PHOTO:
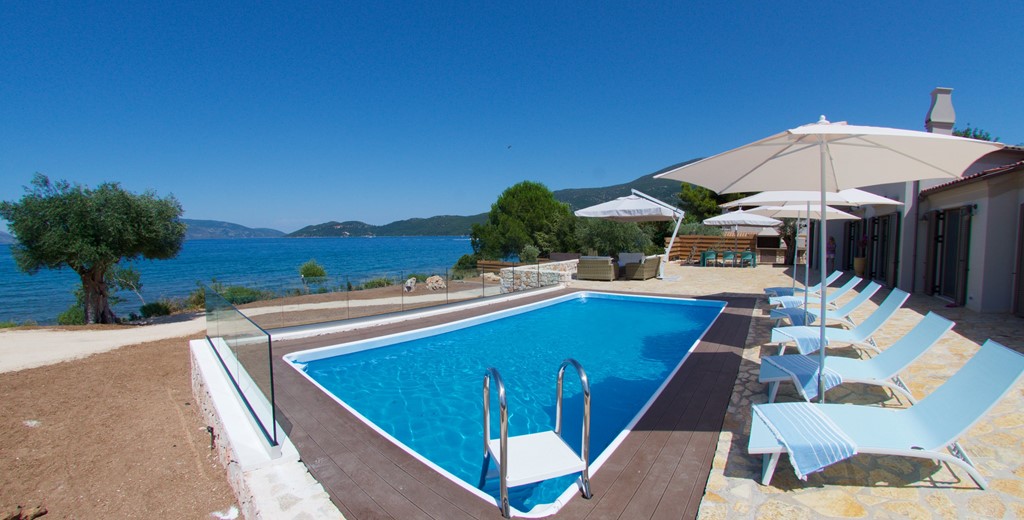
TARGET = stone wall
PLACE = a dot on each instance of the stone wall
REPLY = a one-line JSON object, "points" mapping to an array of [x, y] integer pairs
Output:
{"points": [[526, 277]]}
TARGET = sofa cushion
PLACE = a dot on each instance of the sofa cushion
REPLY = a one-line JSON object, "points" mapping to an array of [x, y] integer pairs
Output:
{"points": [[630, 258]]}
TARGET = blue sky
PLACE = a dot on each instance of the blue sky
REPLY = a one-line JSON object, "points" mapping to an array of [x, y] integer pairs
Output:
{"points": [[281, 115]]}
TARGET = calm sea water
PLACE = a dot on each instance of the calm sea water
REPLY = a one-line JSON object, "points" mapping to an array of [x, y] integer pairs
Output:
{"points": [[271, 263]]}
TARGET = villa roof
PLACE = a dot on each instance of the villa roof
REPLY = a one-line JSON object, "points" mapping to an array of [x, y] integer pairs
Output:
{"points": [[976, 177]]}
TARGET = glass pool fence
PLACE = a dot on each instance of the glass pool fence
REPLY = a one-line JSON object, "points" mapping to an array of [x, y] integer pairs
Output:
{"points": [[305, 301], [244, 349]]}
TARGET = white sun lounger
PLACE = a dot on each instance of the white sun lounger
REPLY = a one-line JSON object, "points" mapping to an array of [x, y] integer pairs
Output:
{"points": [[796, 316], [814, 289], [923, 430], [882, 370], [859, 335], [798, 300]]}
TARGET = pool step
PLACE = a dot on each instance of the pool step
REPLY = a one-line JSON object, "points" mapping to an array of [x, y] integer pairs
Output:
{"points": [[525, 459]]}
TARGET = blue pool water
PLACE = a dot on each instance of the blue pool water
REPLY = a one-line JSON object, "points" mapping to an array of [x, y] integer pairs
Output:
{"points": [[426, 392]]}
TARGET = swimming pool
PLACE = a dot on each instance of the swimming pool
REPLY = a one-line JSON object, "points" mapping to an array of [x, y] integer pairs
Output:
{"points": [[422, 389]]}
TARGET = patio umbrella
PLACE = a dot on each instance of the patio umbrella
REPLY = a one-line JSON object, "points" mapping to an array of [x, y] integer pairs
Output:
{"points": [[637, 207], [805, 211], [741, 218], [847, 197], [829, 157]]}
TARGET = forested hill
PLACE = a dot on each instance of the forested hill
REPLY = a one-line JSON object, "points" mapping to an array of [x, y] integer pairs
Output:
{"points": [[6, 238], [208, 229], [434, 226], [665, 190]]}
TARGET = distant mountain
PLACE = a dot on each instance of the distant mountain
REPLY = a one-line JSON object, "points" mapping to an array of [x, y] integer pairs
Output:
{"points": [[661, 189], [209, 229], [438, 226], [6, 238]]}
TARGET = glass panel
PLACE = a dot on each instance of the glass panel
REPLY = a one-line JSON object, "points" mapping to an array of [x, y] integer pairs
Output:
{"points": [[244, 349]]}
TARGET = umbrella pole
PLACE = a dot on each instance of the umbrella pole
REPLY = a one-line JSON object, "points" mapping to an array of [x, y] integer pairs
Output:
{"points": [[821, 265], [807, 265], [671, 241]]}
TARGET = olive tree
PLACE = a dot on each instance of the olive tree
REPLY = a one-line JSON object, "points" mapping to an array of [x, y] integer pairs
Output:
{"points": [[58, 225]]}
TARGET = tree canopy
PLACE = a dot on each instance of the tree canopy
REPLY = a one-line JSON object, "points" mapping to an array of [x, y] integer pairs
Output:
{"points": [[607, 237], [524, 214], [974, 133], [700, 203], [57, 225]]}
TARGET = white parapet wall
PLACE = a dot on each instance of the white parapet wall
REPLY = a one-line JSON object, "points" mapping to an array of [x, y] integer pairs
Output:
{"points": [[542, 275], [269, 483]]}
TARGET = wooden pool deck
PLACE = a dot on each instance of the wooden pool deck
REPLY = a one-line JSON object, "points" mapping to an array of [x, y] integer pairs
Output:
{"points": [[660, 470]]}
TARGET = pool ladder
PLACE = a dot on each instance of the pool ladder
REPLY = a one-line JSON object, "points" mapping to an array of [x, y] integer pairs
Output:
{"points": [[538, 456]]}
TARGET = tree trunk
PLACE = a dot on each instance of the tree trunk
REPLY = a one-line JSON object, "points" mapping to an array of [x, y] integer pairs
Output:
{"points": [[97, 302]]}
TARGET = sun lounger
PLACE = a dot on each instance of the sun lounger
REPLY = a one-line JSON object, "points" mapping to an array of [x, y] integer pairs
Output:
{"points": [[801, 316], [923, 430], [798, 300], [881, 370], [806, 337], [814, 289]]}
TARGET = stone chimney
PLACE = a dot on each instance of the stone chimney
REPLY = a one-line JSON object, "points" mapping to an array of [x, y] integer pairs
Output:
{"points": [[941, 116]]}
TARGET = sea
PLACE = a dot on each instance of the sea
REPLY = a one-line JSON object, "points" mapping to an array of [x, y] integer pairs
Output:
{"points": [[264, 263]]}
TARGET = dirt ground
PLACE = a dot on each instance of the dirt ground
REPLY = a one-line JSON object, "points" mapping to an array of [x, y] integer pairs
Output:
{"points": [[115, 435]]}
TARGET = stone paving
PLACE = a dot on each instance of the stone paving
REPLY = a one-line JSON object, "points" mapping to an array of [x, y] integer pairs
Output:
{"points": [[866, 486]]}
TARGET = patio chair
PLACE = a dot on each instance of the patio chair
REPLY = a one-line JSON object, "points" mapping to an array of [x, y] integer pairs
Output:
{"points": [[807, 338], [798, 300], [729, 256], [881, 370], [708, 257], [597, 268], [748, 258], [922, 431], [801, 316], [814, 289], [645, 269]]}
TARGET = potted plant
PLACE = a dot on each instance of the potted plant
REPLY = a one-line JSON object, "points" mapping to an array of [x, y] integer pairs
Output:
{"points": [[859, 260]]}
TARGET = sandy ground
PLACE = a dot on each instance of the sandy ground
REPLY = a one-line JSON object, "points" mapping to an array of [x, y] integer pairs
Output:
{"points": [[114, 435]]}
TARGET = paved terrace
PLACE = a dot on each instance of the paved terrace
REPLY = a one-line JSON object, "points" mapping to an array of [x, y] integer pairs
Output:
{"points": [[866, 486], [685, 463]]}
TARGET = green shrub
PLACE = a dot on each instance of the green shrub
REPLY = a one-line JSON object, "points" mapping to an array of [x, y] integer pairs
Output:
{"points": [[238, 294], [197, 298], [529, 254], [377, 283], [154, 309], [312, 269], [8, 324], [75, 315], [466, 263]]}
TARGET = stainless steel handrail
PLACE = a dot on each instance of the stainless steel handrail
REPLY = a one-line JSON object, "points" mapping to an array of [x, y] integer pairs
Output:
{"points": [[503, 415], [585, 447], [492, 373]]}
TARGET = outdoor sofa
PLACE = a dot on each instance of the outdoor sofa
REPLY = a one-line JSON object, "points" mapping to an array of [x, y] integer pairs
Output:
{"points": [[645, 269], [597, 268]]}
